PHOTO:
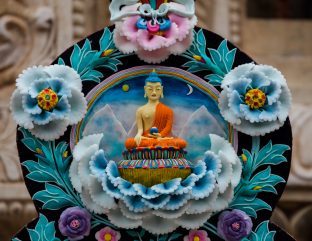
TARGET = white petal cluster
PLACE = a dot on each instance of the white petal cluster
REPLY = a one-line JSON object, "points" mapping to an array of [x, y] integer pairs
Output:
{"points": [[162, 208]]}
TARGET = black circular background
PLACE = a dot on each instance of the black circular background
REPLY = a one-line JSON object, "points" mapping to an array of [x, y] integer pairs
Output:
{"points": [[281, 136]]}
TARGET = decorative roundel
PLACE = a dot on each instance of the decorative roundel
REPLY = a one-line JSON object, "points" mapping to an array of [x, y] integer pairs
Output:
{"points": [[211, 165]]}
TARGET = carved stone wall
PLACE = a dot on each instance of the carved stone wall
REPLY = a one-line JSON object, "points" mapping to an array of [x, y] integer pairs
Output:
{"points": [[36, 31]]}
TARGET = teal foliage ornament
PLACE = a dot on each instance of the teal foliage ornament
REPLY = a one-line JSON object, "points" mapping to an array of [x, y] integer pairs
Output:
{"points": [[44, 231], [86, 61], [220, 62], [253, 182], [262, 233], [51, 169]]}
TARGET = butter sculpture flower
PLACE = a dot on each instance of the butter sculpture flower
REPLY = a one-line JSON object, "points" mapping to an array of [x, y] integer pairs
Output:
{"points": [[161, 208], [255, 99], [154, 32], [107, 234], [47, 100], [197, 235], [234, 225], [75, 223]]}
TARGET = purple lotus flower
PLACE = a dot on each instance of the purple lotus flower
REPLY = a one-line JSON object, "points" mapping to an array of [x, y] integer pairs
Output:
{"points": [[234, 225], [75, 223]]}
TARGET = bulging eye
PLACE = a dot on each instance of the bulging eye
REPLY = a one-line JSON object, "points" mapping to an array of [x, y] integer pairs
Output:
{"points": [[165, 24], [141, 23]]}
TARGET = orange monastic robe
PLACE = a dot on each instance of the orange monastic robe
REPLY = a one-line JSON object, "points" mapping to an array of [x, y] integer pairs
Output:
{"points": [[163, 121]]}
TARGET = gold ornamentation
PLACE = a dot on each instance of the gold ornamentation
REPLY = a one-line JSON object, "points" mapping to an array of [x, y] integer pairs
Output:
{"points": [[255, 98], [47, 99]]}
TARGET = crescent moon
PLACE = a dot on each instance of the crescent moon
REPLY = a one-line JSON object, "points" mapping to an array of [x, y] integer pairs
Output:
{"points": [[191, 90]]}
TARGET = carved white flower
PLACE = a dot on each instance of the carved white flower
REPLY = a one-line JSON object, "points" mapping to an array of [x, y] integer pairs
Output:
{"points": [[47, 100], [162, 208]]}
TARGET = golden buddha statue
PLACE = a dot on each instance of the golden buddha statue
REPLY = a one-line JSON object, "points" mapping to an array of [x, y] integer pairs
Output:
{"points": [[154, 120]]}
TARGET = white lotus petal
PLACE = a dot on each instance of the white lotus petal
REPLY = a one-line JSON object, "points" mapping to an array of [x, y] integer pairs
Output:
{"points": [[223, 199], [129, 214], [89, 203], [225, 176], [84, 166], [157, 203], [167, 214], [117, 218], [113, 173], [145, 192], [74, 178], [177, 201], [203, 205], [51, 131], [193, 221], [158, 225], [167, 187], [85, 143], [78, 107], [98, 195], [68, 74], [237, 173], [28, 76], [204, 186], [21, 117], [126, 188]]}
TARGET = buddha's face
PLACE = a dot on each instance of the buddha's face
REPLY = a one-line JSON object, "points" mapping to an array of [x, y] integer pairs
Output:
{"points": [[153, 91]]}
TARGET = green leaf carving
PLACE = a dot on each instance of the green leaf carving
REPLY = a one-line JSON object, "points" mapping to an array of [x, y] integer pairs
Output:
{"points": [[53, 198], [250, 205], [44, 231], [262, 233], [86, 60], [220, 62], [253, 182]]}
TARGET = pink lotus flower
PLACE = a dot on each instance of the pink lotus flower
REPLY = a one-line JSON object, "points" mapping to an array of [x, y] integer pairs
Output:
{"points": [[197, 235], [107, 234], [154, 47]]}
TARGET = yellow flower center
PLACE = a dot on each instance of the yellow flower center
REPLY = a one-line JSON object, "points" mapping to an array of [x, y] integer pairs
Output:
{"points": [[108, 237], [107, 52], [196, 238], [256, 188], [255, 98], [244, 157], [47, 99]]}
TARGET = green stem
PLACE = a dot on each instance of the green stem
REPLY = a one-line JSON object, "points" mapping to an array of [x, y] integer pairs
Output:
{"points": [[139, 236], [211, 228], [188, 57], [65, 185]]}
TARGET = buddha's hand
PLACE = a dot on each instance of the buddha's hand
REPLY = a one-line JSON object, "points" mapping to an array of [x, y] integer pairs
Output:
{"points": [[138, 139], [155, 135]]}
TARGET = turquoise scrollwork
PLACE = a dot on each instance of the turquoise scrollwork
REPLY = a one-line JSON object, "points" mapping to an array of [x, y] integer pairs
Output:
{"points": [[51, 169], [86, 60], [220, 62], [253, 182]]}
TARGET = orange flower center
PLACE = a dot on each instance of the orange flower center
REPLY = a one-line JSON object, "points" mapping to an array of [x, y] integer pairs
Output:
{"points": [[196, 238], [108, 237], [47, 99], [255, 98]]}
